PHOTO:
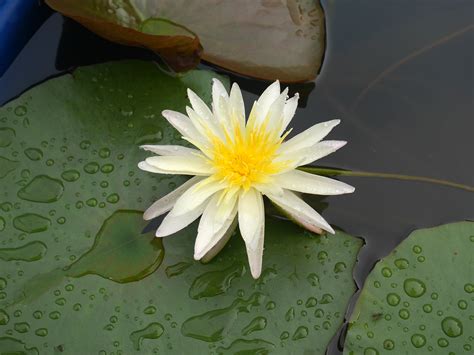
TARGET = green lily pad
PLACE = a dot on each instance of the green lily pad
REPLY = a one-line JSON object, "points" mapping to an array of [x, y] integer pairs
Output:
{"points": [[419, 299], [77, 275]]}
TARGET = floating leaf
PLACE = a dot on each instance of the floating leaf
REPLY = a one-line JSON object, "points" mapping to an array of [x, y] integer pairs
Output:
{"points": [[267, 39], [119, 22], [91, 266], [419, 299]]}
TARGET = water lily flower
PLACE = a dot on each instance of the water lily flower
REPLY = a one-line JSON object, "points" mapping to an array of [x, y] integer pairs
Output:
{"points": [[235, 163]]}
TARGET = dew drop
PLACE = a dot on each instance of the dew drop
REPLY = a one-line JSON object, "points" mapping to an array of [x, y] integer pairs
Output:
{"points": [[41, 332], [339, 267], [370, 351], [393, 299], [71, 175], [414, 287], [386, 272], [388, 344], [20, 110], [4, 318], [31, 223], [151, 331], [113, 198], [313, 279], [418, 340], [300, 333], [404, 313], [91, 168], [452, 327], [401, 263], [107, 168], [150, 310], [6, 136]]}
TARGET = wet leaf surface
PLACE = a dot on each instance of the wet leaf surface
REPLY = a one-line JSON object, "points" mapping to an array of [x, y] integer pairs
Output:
{"points": [[72, 251], [419, 299]]}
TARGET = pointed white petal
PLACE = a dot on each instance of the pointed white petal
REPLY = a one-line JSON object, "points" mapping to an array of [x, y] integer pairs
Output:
{"points": [[169, 149], [206, 128], [251, 217], [275, 112], [215, 221], [218, 90], [301, 212], [173, 223], [289, 111], [196, 195], [255, 256], [309, 137], [143, 165], [237, 106], [311, 154], [220, 243], [301, 181], [183, 125], [269, 188], [200, 106], [182, 165], [167, 202], [266, 100]]}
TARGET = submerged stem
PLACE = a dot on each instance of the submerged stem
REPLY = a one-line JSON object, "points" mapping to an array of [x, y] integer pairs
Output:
{"points": [[330, 171]]}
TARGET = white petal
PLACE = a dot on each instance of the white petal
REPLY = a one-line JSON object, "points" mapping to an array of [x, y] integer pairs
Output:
{"points": [[182, 165], [251, 217], [301, 181], [275, 112], [183, 125], [317, 151], [205, 127], [218, 90], [269, 188], [167, 202], [266, 100], [215, 221], [200, 106], [221, 242], [289, 111], [173, 223], [169, 149], [255, 256], [301, 212], [143, 165], [237, 106], [196, 195], [309, 137]]}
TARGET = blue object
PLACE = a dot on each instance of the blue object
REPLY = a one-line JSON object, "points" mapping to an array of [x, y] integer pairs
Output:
{"points": [[19, 20]]}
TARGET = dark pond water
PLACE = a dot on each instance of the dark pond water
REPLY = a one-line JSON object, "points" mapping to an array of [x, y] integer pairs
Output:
{"points": [[398, 74]]}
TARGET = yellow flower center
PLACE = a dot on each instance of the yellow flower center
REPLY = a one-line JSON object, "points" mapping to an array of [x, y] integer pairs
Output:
{"points": [[247, 157]]}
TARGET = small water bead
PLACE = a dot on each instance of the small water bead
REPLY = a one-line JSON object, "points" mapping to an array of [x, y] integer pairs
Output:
{"points": [[404, 313], [414, 287], [34, 154], [126, 183], [284, 335], [37, 314], [313, 279], [92, 202], [467, 347], [401, 263], [60, 301], [393, 299], [20, 110], [69, 287], [70, 175], [113, 198], [417, 249], [107, 168], [3, 283], [22, 327], [77, 307], [339, 267], [462, 304], [17, 313], [104, 184], [418, 340], [388, 344], [79, 205], [113, 319], [270, 305], [91, 168], [434, 296], [85, 144], [326, 299], [386, 272], [311, 302], [322, 256], [469, 288], [299, 302], [55, 315], [4, 318], [2, 224], [452, 327], [420, 259], [104, 153], [439, 313], [50, 162], [370, 351], [300, 333], [41, 332], [150, 310], [319, 313]]}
